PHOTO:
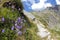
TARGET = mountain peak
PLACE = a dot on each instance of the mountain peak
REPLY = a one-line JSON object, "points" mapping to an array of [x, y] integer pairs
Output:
{"points": [[56, 8]]}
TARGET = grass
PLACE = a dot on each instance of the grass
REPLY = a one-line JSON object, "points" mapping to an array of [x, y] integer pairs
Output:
{"points": [[55, 34], [42, 19], [8, 14]]}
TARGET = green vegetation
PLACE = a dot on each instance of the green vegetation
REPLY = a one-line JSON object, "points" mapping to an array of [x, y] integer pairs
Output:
{"points": [[7, 13], [8, 19], [54, 33]]}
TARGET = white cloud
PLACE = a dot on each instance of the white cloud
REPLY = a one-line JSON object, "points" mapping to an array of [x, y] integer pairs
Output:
{"points": [[48, 5], [58, 2], [38, 5], [41, 5], [23, 0]]}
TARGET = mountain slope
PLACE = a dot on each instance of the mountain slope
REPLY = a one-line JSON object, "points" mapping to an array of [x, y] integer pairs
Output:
{"points": [[50, 16]]}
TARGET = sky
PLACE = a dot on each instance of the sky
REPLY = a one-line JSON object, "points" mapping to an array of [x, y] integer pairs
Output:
{"points": [[58, 2], [53, 2], [30, 5]]}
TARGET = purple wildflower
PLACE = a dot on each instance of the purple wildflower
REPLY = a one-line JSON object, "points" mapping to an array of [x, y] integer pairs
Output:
{"points": [[13, 6], [19, 33], [19, 20], [3, 31], [12, 28], [15, 24], [19, 9], [10, 3], [18, 27], [3, 19]]}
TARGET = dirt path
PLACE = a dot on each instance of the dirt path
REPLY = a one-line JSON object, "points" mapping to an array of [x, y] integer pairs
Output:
{"points": [[42, 32]]}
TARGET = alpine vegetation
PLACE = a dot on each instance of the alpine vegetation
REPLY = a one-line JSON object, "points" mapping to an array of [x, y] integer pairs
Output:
{"points": [[14, 25]]}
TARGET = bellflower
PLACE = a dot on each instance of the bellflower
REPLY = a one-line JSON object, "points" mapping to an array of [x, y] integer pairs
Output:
{"points": [[3, 31], [12, 28], [13, 6], [18, 27], [19, 33], [19, 9], [19, 19], [3, 19], [15, 24]]}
